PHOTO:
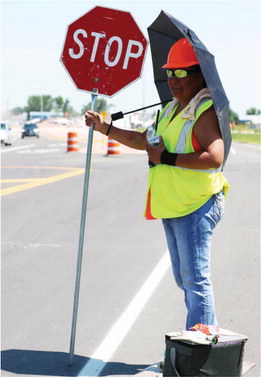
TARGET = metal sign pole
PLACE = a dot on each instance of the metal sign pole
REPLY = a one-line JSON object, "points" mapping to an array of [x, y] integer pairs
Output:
{"points": [[81, 237]]}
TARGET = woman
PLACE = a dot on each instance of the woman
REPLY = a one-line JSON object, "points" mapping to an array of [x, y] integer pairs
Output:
{"points": [[186, 187]]}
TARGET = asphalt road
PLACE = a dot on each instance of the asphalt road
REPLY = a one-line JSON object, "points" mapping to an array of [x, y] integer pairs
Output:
{"points": [[41, 208]]}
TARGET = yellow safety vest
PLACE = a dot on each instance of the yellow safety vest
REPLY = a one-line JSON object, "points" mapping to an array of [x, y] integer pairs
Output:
{"points": [[177, 191]]}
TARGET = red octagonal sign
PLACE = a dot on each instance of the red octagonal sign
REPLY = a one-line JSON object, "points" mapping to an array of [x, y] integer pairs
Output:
{"points": [[104, 51]]}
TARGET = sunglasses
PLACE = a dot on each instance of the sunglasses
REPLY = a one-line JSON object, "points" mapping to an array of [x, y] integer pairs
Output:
{"points": [[179, 73]]}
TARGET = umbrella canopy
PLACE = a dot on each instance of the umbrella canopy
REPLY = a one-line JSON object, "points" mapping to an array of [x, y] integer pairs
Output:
{"points": [[163, 33]]}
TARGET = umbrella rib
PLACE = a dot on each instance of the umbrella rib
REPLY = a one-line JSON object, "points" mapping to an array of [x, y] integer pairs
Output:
{"points": [[161, 33]]}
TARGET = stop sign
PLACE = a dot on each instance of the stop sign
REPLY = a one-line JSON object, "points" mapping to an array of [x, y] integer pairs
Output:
{"points": [[104, 51]]}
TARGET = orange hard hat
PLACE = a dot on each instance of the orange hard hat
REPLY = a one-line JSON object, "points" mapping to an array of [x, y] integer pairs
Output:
{"points": [[181, 54]]}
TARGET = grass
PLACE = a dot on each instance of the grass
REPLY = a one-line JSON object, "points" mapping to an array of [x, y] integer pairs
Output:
{"points": [[246, 137], [242, 133]]}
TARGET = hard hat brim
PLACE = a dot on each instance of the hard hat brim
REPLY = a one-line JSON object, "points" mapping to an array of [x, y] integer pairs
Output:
{"points": [[181, 65]]}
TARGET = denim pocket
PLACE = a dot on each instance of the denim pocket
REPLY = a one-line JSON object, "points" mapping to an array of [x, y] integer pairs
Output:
{"points": [[219, 205]]}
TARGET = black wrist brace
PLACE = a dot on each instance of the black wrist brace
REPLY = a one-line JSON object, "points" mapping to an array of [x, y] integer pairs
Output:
{"points": [[168, 158]]}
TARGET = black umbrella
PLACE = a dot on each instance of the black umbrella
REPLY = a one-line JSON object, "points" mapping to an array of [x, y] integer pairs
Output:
{"points": [[163, 33]]}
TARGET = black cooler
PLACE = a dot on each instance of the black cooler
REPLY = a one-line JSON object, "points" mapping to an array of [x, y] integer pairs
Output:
{"points": [[225, 358]]}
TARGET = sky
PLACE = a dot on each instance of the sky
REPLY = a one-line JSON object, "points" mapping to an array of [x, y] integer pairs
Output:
{"points": [[33, 35]]}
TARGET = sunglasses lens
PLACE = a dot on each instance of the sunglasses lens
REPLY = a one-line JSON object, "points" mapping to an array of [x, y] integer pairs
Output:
{"points": [[177, 73], [181, 73]]}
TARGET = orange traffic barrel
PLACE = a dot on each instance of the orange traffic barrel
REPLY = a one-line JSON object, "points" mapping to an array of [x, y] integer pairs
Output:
{"points": [[72, 142], [113, 147]]}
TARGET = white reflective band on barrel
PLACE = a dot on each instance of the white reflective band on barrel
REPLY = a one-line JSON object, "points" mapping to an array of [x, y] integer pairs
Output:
{"points": [[73, 139], [113, 148]]}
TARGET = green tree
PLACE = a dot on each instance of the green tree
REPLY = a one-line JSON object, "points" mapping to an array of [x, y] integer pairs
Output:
{"points": [[17, 110], [66, 106], [37, 103], [45, 103], [100, 106], [58, 103], [253, 111], [62, 105], [33, 104], [233, 117]]}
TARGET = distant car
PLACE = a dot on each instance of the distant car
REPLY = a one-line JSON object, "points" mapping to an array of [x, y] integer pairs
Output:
{"points": [[30, 130], [5, 134]]}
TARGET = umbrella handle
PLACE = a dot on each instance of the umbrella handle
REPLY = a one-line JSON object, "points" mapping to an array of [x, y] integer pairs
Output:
{"points": [[118, 115]]}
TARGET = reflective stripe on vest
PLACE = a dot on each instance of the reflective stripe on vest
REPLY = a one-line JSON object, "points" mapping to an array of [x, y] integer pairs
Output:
{"points": [[181, 144]]}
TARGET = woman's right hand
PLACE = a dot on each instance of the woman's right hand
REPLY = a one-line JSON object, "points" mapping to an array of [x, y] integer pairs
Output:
{"points": [[95, 120]]}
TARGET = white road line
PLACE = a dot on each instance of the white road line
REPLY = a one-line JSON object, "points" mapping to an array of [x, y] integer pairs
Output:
{"points": [[38, 151], [113, 339], [17, 148]]}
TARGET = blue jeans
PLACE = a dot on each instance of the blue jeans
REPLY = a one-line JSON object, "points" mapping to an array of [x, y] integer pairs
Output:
{"points": [[189, 243]]}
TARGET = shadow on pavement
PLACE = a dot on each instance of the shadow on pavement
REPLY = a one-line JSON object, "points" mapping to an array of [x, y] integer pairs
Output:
{"points": [[51, 363]]}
